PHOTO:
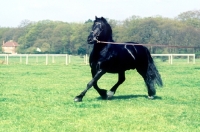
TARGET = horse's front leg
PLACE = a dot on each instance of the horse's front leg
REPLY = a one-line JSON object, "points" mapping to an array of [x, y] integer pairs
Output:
{"points": [[121, 79], [89, 85], [102, 92]]}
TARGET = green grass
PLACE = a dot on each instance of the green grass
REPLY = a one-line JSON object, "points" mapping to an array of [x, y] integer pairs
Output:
{"points": [[40, 98]]}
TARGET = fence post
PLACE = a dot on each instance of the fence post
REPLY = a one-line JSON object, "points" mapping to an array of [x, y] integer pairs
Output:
{"points": [[171, 58], [20, 58], [6, 59], [26, 59], [193, 58], [66, 59], [46, 59], [86, 59]]}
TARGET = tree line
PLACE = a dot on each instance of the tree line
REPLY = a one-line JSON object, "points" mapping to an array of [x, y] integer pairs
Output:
{"points": [[63, 37]]}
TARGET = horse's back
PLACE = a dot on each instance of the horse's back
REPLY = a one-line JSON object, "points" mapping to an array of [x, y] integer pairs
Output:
{"points": [[120, 58]]}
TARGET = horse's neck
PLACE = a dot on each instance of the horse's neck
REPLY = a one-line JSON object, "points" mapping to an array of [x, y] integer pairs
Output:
{"points": [[100, 46]]}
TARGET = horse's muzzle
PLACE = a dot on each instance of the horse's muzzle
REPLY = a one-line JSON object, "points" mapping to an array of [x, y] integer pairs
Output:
{"points": [[91, 40]]}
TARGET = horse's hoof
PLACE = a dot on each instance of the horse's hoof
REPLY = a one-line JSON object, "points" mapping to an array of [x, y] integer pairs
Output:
{"points": [[110, 95], [77, 99], [103, 94], [151, 97]]}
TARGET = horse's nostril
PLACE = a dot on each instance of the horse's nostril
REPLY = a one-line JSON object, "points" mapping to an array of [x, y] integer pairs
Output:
{"points": [[89, 40]]}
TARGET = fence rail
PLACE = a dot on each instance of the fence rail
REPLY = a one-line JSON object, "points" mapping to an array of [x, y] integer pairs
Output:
{"points": [[67, 59], [171, 56], [45, 57]]}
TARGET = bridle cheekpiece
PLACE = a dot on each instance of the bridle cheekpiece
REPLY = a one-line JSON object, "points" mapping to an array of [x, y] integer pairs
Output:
{"points": [[97, 31]]}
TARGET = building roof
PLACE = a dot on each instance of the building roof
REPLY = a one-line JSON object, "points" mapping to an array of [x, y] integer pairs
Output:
{"points": [[10, 43]]}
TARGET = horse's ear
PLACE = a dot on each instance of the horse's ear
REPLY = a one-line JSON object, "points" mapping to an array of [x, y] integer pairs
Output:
{"points": [[102, 18], [96, 17]]}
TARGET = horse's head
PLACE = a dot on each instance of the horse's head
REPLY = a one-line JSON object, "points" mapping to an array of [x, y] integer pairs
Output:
{"points": [[101, 30]]}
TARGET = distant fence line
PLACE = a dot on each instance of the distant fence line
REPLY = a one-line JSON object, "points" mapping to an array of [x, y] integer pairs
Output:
{"points": [[46, 56], [84, 57], [170, 57]]}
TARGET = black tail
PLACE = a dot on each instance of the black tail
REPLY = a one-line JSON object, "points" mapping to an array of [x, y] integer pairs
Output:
{"points": [[152, 72]]}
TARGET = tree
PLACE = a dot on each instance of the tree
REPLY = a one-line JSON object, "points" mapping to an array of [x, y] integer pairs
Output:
{"points": [[71, 38], [191, 18], [24, 23]]}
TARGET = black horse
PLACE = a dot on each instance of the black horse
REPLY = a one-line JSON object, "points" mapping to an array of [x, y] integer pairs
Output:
{"points": [[112, 58]]}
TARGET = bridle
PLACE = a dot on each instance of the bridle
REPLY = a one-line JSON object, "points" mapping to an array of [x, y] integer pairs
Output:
{"points": [[97, 30]]}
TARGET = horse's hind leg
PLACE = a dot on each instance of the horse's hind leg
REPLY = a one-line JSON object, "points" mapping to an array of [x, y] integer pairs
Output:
{"points": [[121, 79], [148, 81]]}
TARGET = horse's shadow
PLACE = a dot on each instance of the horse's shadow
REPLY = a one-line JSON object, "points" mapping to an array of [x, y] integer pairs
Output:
{"points": [[124, 97]]}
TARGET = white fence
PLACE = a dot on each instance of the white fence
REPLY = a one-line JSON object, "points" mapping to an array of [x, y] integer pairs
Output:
{"points": [[171, 56], [66, 59], [48, 58]]}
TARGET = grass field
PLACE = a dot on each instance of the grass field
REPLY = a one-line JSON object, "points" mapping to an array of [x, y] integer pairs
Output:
{"points": [[40, 98]]}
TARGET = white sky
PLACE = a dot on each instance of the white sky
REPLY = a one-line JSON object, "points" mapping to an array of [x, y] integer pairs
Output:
{"points": [[12, 12]]}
